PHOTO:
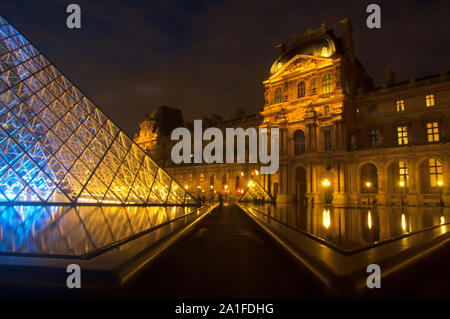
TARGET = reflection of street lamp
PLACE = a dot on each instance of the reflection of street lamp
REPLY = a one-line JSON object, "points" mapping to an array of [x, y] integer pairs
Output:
{"points": [[440, 184], [402, 185], [326, 183], [326, 218], [368, 185]]}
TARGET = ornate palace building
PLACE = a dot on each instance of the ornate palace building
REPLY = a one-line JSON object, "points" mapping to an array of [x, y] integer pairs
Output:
{"points": [[342, 140]]}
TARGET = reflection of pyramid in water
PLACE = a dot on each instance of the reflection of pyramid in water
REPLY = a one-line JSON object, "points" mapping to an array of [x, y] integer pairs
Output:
{"points": [[56, 146], [255, 192]]}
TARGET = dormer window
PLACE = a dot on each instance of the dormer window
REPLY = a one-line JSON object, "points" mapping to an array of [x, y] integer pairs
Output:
{"points": [[429, 100], [400, 105]]}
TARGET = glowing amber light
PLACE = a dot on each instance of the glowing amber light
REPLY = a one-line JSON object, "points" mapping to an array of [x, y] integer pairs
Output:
{"points": [[440, 183], [403, 222], [256, 172], [369, 220], [402, 184], [442, 220], [326, 183], [326, 218], [368, 184]]}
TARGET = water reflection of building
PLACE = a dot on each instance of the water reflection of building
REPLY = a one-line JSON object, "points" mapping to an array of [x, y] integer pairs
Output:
{"points": [[383, 143], [353, 229]]}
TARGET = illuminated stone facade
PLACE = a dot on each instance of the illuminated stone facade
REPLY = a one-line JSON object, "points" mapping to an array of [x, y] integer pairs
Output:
{"points": [[343, 140]]}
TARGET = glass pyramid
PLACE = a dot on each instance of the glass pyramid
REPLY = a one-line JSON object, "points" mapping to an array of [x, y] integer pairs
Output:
{"points": [[255, 192], [57, 147]]}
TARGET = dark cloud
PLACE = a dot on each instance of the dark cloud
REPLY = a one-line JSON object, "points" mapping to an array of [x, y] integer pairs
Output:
{"points": [[210, 57]]}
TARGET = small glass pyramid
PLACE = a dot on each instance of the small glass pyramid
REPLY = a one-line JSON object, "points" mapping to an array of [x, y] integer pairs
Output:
{"points": [[57, 147], [255, 192]]}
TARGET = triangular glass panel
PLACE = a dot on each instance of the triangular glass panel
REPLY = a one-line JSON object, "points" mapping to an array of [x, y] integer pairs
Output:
{"points": [[255, 192]]}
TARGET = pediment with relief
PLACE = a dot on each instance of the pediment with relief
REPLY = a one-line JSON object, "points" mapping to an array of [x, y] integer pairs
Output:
{"points": [[300, 63]]}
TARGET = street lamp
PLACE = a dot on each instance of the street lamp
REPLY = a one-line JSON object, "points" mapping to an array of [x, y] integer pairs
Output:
{"points": [[368, 185], [440, 184], [326, 183], [402, 185]]}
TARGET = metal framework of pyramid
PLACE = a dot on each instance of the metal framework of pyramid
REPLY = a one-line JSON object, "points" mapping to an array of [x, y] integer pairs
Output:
{"points": [[255, 191], [57, 147]]}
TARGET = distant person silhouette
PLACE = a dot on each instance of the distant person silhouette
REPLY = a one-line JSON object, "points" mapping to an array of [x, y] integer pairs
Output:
{"points": [[220, 201]]}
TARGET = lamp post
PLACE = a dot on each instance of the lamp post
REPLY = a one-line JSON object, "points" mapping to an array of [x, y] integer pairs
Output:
{"points": [[326, 183], [368, 185], [402, 185], [440, 184]]}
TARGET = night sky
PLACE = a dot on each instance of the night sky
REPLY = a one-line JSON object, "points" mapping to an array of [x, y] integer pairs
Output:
{"points": [[210, 57]]}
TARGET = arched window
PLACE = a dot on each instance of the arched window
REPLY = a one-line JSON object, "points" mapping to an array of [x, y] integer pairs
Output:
{"points": [[224, 180], [299, 142], [301, 89], [326, 83], [435, 171], [278, 95]]}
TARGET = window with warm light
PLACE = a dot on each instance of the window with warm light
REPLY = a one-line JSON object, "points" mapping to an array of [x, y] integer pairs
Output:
{"points": [[326, 84], [433, 132], [429, 100], [278, 95], [402, 135], [201, 179], [301, 89], [400, 105], [436, 172], [403, 172]]}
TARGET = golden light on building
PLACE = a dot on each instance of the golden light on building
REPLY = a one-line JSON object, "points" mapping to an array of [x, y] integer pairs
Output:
{"points": [[402, 184], [256, 172], [368, 184], [442, 220], [369, 219], [242, 173], [440, 183], [326, 183]]}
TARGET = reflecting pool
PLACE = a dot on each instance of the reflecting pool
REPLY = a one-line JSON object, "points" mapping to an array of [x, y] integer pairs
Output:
{"points": [[354, 229], [77, 231]]}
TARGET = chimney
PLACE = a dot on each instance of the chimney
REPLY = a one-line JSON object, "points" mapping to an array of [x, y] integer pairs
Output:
{"points": [[281, 48], [347, 39], [389, 76]]}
